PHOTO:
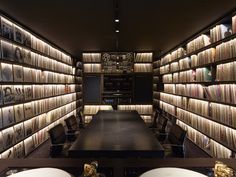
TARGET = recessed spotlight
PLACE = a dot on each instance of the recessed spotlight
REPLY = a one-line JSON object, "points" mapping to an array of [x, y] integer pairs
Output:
{"points": [[117, 31], [117, 20]]}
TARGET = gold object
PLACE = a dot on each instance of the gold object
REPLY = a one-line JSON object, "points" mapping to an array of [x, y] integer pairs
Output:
{"points": [[90, 170], [222, 170]]}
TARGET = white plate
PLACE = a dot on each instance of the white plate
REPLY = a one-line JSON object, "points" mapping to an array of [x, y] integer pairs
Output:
{"points": [[171, 172], [42, 172]]}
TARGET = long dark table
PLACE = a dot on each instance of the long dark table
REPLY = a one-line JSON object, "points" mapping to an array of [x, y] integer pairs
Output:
{"points": [[116, 134]]}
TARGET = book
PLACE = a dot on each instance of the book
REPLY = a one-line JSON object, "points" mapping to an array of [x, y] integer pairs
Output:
{"points": [[29, 145], [28, 127], [8, 137], [1, 95], [19, 132], [1, 121], [19, 112], [26, 55], [18, 34], [27, 74], [8, 116], [18, 93], [27, 38], [7, 28], [7, 51], [28, 110], [18, 73], [8, 154], [19, 150], [28, 93], [7, 73], [1, 142], [8, 94], [18, 54]]}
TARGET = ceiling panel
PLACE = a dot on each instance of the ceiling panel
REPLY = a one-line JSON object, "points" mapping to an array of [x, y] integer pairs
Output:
{"points": [[88, 25]]}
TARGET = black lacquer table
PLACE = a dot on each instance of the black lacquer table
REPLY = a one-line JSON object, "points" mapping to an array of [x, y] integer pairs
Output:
{"points": [[116, 134]]}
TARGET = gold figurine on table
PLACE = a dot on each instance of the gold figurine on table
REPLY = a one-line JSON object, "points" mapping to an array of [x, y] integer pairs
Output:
{"points": [[222, 170]]}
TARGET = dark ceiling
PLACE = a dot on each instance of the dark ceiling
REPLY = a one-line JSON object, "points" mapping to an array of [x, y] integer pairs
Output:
{"points": [[88, 25]]}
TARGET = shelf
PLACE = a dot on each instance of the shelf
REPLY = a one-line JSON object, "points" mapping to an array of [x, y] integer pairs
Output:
{"points": [[205, 65], [204, 83], [202, 49], [33, 50], [33, 66], [36, 132], [222, 143], [206, 117], [203, 99], [15, 123], [36, 99], [37, 83]]}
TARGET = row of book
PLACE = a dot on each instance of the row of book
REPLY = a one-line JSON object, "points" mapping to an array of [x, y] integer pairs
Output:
{"points": [[147, 119], [25, 147], [210, 146], [20, 55], [221, 113], [92, 68], [204, 57], [219, 32], [210, 128], [142, 67], [24, 129], [141, 109], [17, 113], [198, 75], [226, 72], [20, 93], [180, 52], [198, 43], [224, 113], [174, 100], [14, 32], [222, 92], [167, 108], [143, 57], [93, 109], [17, 73], [226, 50], [91, 57]]}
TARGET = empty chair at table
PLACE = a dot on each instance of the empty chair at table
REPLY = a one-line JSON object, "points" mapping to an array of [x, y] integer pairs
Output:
{"points": [[174, 142]]}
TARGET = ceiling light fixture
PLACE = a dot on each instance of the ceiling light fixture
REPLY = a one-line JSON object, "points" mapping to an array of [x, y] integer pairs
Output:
{"points": [[117, 31], [117, 20]]}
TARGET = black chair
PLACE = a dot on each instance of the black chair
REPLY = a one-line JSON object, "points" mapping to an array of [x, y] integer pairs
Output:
{"points": [[72, 124], [174, 143], [60, 142], [160, 130]]}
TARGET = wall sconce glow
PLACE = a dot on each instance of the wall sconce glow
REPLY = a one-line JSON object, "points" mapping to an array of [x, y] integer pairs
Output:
{"points": [[117, 31], [117, 20]]}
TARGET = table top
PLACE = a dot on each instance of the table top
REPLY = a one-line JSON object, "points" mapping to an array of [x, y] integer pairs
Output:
{"points": [[172, 172], [45, 172], [116, 134]]}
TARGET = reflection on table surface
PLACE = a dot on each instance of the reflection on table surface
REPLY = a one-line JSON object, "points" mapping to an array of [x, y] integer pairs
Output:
{"points": [[128, 172], [172, 172]]}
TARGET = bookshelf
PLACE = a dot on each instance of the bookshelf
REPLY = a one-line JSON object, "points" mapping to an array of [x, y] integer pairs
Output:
{"points": [[111, 77], [38, 89], [194, 83]]}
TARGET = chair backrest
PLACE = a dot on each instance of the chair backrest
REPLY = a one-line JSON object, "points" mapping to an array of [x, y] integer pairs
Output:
{"points": [[161, 124], [71, 123], [57, 134], [176, 135]]}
